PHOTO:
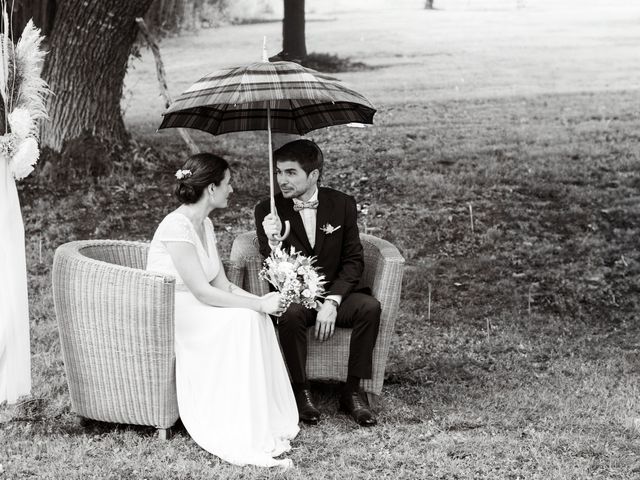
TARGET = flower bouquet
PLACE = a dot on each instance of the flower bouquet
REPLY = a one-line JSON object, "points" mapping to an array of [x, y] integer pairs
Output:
{"points": [[22, 97], [294, 276]]}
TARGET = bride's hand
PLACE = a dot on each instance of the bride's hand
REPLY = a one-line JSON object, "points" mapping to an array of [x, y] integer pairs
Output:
{"points": [[272, 303]]}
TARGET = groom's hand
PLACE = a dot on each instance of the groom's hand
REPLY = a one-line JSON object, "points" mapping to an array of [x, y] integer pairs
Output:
{"points": [[326, 321], [271, 226]]}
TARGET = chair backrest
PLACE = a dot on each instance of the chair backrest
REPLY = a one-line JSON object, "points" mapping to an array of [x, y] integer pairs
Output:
{"points": [[126, 254]]}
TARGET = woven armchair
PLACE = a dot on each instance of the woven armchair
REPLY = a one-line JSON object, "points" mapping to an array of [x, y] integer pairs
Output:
{"points": [[116, 325], [327, 360]]}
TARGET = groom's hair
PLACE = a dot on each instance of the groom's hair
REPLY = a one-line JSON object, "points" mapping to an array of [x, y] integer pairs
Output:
{"points": [[306, 152], [205, 169]]}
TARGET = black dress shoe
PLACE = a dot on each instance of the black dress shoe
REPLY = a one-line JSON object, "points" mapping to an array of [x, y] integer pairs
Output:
{"points": [[307, 411], [353, 404]]}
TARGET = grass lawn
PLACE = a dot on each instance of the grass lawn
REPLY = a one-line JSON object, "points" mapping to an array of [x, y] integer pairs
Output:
{"points": [[505, 166]]}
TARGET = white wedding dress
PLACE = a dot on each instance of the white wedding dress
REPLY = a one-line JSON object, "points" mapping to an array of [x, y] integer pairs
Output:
{"points": [[15, 355], [234, 394]]}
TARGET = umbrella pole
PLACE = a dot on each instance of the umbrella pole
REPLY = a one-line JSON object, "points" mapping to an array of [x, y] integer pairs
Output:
{"points": [[287, 227]]}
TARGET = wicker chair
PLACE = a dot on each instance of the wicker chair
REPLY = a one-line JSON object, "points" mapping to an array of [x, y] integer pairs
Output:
{"points": [[116, 324], [327, 360]]}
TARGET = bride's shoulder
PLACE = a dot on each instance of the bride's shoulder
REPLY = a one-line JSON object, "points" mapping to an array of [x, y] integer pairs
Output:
{"points": [[173, 225], [175, 218]]}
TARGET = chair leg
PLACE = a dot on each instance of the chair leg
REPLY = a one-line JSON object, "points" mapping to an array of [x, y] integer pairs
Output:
{"points": [[163, 433], [375, 401]]}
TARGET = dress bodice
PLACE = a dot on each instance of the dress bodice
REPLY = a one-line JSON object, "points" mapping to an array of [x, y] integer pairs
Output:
{"points": [[176, 227]]}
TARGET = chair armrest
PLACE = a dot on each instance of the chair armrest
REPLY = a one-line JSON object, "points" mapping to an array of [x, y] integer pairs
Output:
{"points": [[384, 268], [246, 257], [234, 272]]}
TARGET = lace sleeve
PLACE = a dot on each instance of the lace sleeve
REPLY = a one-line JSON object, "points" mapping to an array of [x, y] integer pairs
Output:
{"points": [[175, 228]]}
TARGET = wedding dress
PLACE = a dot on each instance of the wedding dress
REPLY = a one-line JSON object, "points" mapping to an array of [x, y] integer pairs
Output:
{"points": [[15, 355], [234, 394]]}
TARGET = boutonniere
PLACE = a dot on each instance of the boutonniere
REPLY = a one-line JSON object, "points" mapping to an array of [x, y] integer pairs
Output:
{"points": [[328, 229]]}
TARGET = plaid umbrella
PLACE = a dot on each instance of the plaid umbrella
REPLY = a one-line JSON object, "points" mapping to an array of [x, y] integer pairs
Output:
{"points": [[282, 97], [296, 100]]}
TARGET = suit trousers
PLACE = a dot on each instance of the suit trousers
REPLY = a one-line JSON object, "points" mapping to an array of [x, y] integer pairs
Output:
{"points": [[358, 311]]}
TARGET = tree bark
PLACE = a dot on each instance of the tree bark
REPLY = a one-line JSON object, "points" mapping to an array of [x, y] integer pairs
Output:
{"points": [[294, 46], [85, 68]]}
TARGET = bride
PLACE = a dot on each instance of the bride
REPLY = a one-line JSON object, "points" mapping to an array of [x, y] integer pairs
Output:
{"points": [[234, 394]]}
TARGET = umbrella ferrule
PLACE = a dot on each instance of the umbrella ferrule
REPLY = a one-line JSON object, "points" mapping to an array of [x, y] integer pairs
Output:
{"points": [[265, 57]]}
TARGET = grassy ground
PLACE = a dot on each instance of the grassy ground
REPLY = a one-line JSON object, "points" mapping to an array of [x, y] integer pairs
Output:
{"points": [[528, 364]]}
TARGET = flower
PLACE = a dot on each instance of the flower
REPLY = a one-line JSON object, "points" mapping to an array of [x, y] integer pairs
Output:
{"points": [[19, 146], [294, 276], [328, 229], [181, 174], [21, 122], [24, 158]]}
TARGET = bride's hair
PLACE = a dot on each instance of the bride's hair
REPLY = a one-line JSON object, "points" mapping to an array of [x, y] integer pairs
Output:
{"points": [[205, 168]]}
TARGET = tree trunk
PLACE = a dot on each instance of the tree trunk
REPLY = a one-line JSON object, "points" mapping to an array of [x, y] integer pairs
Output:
{"points": [[293, 38], [85, 68], [428, 4], [41, 11]]}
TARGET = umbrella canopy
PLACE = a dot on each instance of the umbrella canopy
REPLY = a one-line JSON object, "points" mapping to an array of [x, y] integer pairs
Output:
{"points": [[282, 97], [294, 99]]}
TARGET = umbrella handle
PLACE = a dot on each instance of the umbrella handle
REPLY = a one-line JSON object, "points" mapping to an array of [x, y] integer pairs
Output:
{"points": [[287, 230]]}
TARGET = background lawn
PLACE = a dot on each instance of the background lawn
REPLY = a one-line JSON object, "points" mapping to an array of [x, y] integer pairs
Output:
{"points": [[526, 114]]}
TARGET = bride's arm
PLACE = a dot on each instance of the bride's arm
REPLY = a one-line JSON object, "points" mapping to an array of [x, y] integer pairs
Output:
{"points": [[187, 263], [222, 282]]}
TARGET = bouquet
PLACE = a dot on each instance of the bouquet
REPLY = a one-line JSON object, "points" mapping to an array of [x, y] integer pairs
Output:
{"points": [[22, 97], [295, 277]]}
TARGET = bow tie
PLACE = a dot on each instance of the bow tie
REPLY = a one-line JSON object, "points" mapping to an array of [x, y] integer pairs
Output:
{"points": [[300, 205]]}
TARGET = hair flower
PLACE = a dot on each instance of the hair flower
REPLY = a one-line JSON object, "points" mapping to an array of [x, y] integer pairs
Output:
{"points": [[181, 174]]}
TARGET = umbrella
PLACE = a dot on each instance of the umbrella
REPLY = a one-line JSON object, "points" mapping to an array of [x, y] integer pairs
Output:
{"points": [[281, 97]]}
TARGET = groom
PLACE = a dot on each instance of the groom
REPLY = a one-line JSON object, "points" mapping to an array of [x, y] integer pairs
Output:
{"points": [[323, 224]]}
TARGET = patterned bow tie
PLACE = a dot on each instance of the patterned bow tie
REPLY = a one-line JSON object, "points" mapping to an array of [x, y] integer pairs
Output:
{"points": [[300, 205]]}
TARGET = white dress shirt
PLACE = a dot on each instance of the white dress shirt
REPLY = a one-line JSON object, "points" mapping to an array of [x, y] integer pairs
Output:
{"points": [[309, 216]]}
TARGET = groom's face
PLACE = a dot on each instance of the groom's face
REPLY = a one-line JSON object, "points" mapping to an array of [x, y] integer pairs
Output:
{"points": [[293, 180]]}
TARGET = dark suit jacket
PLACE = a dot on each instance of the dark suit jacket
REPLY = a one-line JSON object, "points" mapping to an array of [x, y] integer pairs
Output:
{"points": [[339, 254]]}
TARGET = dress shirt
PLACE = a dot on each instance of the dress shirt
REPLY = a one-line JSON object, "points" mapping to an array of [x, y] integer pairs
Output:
{"points": [[309, 216]]}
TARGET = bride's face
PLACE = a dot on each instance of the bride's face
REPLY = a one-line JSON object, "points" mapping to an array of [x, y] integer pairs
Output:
{"points": [[220, 196]]}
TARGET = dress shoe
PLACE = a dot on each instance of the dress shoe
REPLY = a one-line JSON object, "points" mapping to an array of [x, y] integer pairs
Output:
{"points": [[306, 409], [353, 404]]}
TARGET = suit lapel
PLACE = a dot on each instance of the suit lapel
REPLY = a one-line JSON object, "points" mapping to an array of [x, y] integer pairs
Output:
{"points": [[286, 211], [325, 207]]}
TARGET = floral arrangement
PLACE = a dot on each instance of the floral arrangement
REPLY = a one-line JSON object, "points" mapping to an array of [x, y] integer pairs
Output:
{"points": [[22, 93], [180, 174], [295, 277]]}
